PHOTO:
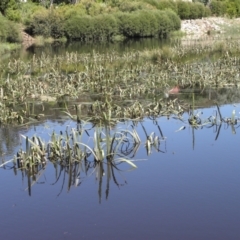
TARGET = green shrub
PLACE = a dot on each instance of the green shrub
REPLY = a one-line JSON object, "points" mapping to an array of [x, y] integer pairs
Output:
{"points": [[162, 4], [77, 27], [27, 11], [202, 10], [167, 4], [8, 4], [129, 24], [23, 13], [207, 12], [87, 28], [9, 31], [148, 23], [139, 23], [130, 6], [183, 9], [197, 10], [204, 2], [47, 23], [175, 20], [13, 15], [233, 8], [71, 10], [165, 25], [194, 11], [218, 8], [154, 3], [95, 9], [105, 26]]}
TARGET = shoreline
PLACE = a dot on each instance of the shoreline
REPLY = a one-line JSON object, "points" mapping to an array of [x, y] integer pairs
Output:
{"points": [[199, 28], [194, 28]]}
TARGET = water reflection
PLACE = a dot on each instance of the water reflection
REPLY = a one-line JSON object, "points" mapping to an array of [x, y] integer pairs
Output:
{"points": [[9, 139], [72, 175], [105, 152], [72, 156], [101, 47]]}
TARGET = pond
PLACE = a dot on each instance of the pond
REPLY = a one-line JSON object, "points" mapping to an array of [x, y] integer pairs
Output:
{"points": [[115, 162], [188, 188], [83, 47]]}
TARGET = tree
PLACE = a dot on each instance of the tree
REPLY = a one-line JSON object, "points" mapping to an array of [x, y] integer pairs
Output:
{"points": [[5, 4]]}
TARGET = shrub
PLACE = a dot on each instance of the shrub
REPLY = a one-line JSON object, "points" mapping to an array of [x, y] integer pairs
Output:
{"points": [[233, 8], [47, 23], [77, 27], [207, 12], [218, 8], [162, 4], [175, 20], [8, 4], [230, 8], [27, 11], [148, 23], [202, 10], [129, 24], [183, 9], [167, 4], [204, 2], [94, 9], [87, 28], [71, 10], [23, 13], [105, 26], [197, 10], [164, 23], [9, 31], [130, 6], [13, 15]]}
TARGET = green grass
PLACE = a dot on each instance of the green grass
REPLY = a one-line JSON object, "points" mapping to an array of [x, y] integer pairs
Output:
{"points": [[8, 47]]}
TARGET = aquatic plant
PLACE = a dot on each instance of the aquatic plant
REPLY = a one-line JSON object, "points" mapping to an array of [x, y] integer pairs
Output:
{"points": [[112, 86]]}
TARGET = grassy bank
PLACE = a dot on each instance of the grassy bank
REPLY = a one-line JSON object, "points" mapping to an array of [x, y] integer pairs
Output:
{"points": [[98, 20], [10, 37], [8, 47]]}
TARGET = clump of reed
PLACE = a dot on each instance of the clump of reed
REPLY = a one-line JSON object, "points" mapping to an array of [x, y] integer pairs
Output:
{"points": [[70, 151], [117, 85], [70, 147]]}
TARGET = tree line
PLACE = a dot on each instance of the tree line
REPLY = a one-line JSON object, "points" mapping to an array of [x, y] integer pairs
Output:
{"points": [[104, 20]]}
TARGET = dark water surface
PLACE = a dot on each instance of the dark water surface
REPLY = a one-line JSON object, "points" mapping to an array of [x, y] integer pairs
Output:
{"points": [[189, 190], [83, 47]]}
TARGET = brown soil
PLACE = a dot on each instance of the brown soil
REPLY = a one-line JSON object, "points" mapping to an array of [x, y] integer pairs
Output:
{"points": [[27, 40]]}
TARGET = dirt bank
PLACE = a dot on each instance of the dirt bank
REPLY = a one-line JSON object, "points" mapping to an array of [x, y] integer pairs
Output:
{"points": [[199, 28], [27, 40]]}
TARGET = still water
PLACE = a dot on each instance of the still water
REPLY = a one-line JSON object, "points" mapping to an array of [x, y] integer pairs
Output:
{"points": [[99, 47], [187, 190]]}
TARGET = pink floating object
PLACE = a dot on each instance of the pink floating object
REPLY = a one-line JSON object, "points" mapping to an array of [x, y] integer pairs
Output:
{"points": [[174, 90]]}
